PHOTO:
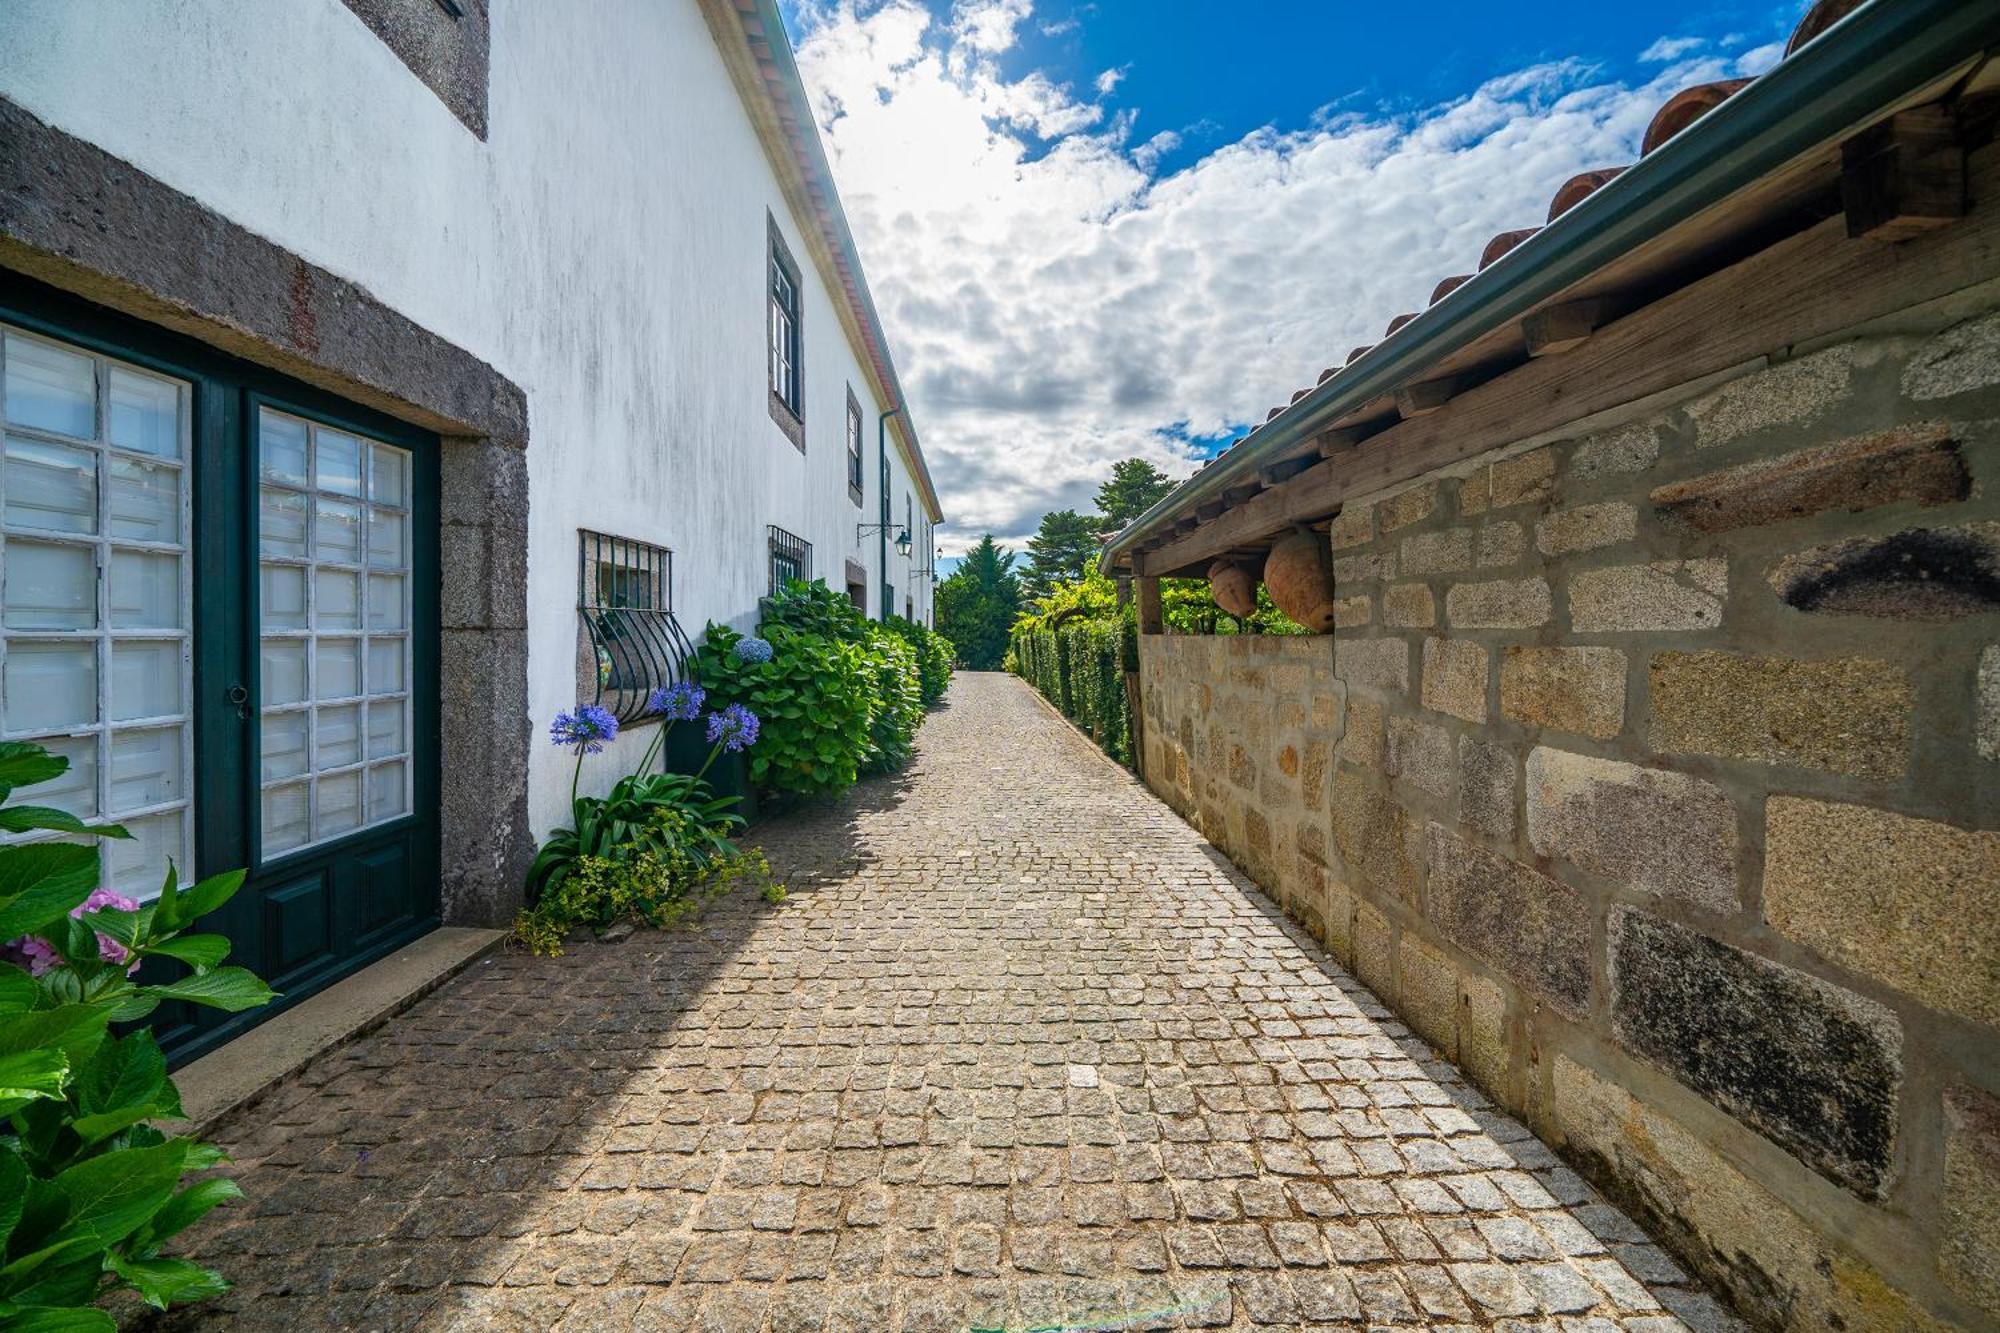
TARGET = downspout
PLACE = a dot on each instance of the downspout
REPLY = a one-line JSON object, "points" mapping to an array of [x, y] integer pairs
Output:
{"points": [[882, 509]]}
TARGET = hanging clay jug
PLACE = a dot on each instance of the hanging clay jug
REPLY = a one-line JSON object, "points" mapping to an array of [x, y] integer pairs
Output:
{"points": [[1300, 578], [1232, 587]]}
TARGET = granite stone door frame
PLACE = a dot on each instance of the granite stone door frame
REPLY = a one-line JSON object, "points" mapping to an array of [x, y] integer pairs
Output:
{"points": [[76, 219]]}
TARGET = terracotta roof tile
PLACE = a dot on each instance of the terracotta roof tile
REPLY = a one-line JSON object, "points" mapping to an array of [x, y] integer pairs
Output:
{"points": [[1687, 106], [1818, 19], [1502, 243], [1579, 188], [1446, 286]]}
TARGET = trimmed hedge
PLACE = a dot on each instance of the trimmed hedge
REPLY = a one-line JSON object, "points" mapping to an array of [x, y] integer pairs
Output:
{"points": [[1080, 667]]}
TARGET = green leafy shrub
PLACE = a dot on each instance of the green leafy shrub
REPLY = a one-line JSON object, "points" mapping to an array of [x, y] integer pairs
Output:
{"points": [[813, 698], [934, 656], [89, 1189], [1079, 666], [633, 818], [814, 608], [896, 701], [661, 888], [895, 688]]}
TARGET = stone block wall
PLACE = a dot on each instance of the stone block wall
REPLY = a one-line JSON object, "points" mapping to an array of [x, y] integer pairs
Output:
{"points": [[1653, 774]]}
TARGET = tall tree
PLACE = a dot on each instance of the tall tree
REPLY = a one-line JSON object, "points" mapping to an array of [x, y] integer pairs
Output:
{"points": [[1061, 549], [976, 605], [1135, 487]]}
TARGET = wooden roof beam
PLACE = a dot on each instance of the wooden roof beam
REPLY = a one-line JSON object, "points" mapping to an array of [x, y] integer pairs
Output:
{"points": [[1558, 328], [1904, 176]]}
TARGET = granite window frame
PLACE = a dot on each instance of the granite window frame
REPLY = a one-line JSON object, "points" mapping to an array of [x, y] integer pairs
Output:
{"points": [[856, 476], [784, 330], [447, 44]]}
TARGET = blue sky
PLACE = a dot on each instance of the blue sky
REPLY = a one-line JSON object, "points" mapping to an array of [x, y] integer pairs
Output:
{"points": [[1213, 72], [1111, 229]]}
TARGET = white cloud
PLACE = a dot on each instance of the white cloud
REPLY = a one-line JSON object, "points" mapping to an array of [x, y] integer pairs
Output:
{"points": [[987, 25], [1110, 79], [1671, 48], [1055, 303]]}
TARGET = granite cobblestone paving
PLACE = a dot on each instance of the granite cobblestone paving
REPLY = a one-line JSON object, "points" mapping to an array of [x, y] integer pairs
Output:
{"points": [[1021, 1051]]}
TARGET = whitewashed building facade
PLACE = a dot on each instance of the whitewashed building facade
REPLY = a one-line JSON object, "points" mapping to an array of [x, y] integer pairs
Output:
{"points": [[352, 346]]}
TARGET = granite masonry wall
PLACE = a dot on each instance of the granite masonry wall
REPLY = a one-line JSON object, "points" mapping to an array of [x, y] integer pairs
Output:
{"points": [[1653, 775]]}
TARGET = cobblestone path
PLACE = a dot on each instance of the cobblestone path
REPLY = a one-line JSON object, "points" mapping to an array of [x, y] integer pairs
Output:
{"points": [[1021, 1051]]}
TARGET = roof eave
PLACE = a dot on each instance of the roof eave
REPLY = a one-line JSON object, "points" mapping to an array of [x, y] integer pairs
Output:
{"points": [[759, 56], [1832, 87]]}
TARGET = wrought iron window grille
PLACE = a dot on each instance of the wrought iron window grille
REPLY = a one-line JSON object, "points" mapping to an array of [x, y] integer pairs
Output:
{"points": [[629, 642], [790, 558]]}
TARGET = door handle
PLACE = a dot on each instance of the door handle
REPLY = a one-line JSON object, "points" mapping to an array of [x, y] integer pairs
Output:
{"points": [[241, 698]]}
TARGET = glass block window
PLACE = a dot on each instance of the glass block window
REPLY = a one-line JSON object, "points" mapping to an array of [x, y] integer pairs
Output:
{"points": [[333, 539], [95, 594]]}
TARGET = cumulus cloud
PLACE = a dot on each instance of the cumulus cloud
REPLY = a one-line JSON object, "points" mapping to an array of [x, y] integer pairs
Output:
{"points": [[1057, 302]]}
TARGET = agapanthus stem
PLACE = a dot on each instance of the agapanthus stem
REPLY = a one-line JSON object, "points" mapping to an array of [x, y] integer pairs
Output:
{"points": [[713, 751]]}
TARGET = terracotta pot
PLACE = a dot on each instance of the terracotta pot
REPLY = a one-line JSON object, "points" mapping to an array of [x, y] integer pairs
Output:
{"points": [[1300, 577], [1232, 587]]}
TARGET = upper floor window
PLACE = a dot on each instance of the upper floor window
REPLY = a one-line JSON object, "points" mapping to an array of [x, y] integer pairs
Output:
{"points": [[787, 394], [853, 447]]}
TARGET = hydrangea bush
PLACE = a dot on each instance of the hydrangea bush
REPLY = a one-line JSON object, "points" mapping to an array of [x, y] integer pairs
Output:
{"points": [[90, 1187], [839, 694]]}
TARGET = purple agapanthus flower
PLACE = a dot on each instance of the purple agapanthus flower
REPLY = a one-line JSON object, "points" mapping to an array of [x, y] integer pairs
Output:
{"points": [[752, 649], [587, 729], [38, 955], [680, 702], [734, 728]]}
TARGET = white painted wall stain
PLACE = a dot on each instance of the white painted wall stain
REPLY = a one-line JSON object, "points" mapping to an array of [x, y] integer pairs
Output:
{"points": [[604, 249]]}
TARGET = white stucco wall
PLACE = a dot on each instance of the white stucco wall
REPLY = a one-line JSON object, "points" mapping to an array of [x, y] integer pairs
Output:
{"points": [[604, 248]]}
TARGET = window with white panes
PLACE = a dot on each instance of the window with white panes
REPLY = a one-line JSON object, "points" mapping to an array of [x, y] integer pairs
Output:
{"points": [[95, 593], [334, 545]]}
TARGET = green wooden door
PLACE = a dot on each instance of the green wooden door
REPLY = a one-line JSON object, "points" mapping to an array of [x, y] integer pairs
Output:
{"points": [[218, 590]]}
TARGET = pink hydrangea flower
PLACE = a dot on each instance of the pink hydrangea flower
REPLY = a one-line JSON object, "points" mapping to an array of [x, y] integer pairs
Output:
{"points": [[38, 956]]}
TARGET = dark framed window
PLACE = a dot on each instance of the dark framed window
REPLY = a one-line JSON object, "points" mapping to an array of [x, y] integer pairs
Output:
{"points": [[854, 474], [782, 303], [790, 557], [857, 586], [628, 642]]}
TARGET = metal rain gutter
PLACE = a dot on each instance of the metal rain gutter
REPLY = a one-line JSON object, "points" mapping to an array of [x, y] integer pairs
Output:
{"points": [[1828, 89]]}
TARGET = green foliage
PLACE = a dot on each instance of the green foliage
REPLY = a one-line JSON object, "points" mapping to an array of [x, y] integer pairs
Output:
{"points": [[663, 884], [643, 812], [1094, 596], [841, 695], [1062, 548], [814, 608], [976, 605], [934, 653], [1079, 666], [896, 700], [1187, 607], [1135, 486], [812, 697], [89, 1188]]}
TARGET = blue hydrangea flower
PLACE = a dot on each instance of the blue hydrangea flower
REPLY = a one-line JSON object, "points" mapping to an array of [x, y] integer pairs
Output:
{"points": [[588, 728], [752, 649], [734, 728], [677, 703]]}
